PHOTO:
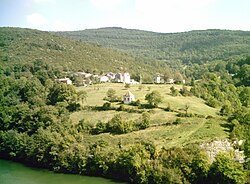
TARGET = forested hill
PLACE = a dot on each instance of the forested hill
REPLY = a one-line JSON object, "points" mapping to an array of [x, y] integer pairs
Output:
{"points": [[23, 46], [185, 47]]}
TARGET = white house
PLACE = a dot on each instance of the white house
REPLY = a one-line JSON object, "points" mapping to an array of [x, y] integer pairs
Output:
{"points": [[158, 78], [126, 78], [123, 77], [65, 80], [104, 78], [128, 97]]}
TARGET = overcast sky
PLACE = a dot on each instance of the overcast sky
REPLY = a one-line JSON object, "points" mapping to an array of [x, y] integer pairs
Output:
{"points": [[152, 15]]}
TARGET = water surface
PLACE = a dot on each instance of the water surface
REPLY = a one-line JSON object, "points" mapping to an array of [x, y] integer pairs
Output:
{"points": [[16, 173]]}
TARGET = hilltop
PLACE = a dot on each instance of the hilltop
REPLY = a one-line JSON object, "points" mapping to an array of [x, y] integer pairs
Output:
{"points": [[23, 46], [173, 48]]}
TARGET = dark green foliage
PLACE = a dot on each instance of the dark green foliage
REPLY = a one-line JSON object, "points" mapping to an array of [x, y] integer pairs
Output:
{"points": [[245, 96], [23, 46], [106, 106], [154, 98], [144, 121], [175, 49], [184, 91], [173, 91], [225, 170], [119, 125], [177, 121], [111, 95]]}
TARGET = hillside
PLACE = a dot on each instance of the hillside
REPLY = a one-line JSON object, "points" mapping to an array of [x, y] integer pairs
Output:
{"points": [[186, 47], [22, 46]]}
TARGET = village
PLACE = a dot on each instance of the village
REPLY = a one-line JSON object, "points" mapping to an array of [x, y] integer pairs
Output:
{"points": [[86, 79]]}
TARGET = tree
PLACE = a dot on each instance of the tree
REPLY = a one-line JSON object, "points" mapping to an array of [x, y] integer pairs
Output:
{"points": [[244, 74], [225, 170], [184, 91], [173, 91], [200, 167], [82, 96], [167, 75], [245, 96], [154, 98], [62, 93], [144, 121], [178, 78], [118, 125], [111, 95]]}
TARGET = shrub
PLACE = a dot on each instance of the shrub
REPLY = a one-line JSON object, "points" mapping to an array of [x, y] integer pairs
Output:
{"points": [[177, 121], [106, 106]]}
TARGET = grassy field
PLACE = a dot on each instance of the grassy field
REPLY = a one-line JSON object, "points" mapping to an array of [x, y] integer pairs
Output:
{"points": [[161, 132]]}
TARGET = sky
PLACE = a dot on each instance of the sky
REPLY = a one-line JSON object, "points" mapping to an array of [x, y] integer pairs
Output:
{"points": [[152, 15]]}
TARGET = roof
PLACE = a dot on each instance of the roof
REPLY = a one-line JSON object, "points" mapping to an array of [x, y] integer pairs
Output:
{"points": [[128, 94]]}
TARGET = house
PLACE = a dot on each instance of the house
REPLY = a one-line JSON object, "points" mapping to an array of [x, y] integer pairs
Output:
{"points": [[128, 97], [87, 82], [65, 81], [123, 77], [170, 81], [126, 78], [158, 78], [110, 75], [87, 75], [104, 78], [119, 77], [132, 81]]}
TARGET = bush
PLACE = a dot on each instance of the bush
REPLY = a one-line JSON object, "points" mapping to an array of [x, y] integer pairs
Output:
{"points": [[106, 106], [177, 121], [99, 128], [173, 91], [184, 91], [144, 121], [121, 108]]}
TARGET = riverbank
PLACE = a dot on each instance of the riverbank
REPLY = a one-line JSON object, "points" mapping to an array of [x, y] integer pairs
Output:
{"points": [[16, 173]]}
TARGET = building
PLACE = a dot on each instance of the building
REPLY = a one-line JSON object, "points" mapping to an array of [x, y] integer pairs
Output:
{"points": [[170, 81], [126, 78], [110, 75], [104, 78], [123, 78], [65, 81], [128, 98], [119, 77], [158, 78], [132, 81]]}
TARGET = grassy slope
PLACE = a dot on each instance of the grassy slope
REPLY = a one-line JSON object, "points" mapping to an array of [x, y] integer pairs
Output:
{"points": [[191, 130], [18, 45], [187, 47]]}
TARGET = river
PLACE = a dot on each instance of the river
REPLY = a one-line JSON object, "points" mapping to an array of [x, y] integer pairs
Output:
{"points": [[16, 173]]}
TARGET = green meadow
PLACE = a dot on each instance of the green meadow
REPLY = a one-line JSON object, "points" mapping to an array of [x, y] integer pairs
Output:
{"points": [[163, 132]]}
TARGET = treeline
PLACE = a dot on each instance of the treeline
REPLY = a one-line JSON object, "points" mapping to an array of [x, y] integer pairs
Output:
{"points": [[23, 46], [173, 48], [225, 85]]}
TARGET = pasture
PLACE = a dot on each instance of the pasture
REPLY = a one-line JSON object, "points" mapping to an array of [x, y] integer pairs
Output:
{"points": [[162, 131]]}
